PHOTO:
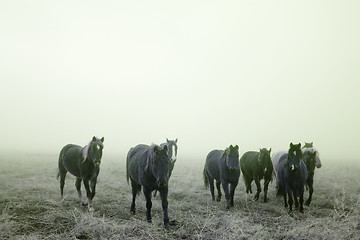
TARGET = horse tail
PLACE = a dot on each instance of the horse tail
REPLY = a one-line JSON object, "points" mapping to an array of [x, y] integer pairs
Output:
{"points": [[206, 182], [127, 169], [127, 166]]}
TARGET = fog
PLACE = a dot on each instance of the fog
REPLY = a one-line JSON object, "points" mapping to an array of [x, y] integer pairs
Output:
{"points": [[210, 73]]}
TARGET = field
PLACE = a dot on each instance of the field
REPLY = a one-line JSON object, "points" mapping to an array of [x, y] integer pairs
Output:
{"points": [[30, 205]]}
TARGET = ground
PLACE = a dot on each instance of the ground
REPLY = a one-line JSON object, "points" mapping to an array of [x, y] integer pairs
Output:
{"points": [[31, 207]]}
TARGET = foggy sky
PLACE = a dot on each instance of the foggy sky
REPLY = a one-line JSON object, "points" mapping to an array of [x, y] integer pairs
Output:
{"points": [[210, 73]]}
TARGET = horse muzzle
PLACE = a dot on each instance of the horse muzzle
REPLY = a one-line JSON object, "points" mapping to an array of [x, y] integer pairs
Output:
{"points": [[161, 183]]}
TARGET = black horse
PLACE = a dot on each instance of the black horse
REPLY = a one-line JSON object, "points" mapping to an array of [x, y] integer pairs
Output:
{"points": [[309, 157], [149, 166], [84, 164], [223, 167], [292, 175], [256, 166]]}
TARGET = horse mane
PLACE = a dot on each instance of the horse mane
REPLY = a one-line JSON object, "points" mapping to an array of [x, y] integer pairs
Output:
{"points": [[150, 153]]}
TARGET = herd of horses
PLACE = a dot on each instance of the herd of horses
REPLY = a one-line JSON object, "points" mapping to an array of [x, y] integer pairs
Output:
{"points": [[150, 166]]}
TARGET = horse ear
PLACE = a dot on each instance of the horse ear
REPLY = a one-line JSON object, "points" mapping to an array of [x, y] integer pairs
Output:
{"points": [[291, 144], [94, 138], [156, 149], [231, 147], [176, 140], [299, 145], [237, 147], [167, 139], [102, 139]]}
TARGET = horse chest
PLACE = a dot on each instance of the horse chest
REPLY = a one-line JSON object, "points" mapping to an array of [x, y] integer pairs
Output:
{"points": [[89, 173]]}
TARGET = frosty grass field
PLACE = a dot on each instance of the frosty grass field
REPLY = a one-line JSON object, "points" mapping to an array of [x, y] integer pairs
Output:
{"points": [[31, 207]]}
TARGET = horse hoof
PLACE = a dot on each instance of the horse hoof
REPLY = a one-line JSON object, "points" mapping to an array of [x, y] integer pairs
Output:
{"points": [[84, 204], [132, 211], [91, 209], [218, 199], [149, 221], [266, 200], [307, 203]]}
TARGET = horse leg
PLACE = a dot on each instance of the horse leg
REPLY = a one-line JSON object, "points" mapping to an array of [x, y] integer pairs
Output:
{"points": [[296, 199], [219, 191], [93, 186], [78, 188], [266, 186], [301, 196], [164, 204], [258, 188], [309, 182], [232, 192], [284, 194], [225, 186], [88, 194], [147, 194], [290, 201], [134, 189], [211, 184]]}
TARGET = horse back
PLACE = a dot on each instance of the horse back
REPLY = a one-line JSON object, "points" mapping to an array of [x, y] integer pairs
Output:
{"points": [[70, 158], [135, 162], [248, 163], [212, 163]]}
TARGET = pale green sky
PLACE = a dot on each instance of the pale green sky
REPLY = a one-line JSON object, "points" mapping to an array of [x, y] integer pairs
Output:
{"points": [[211, 73]]}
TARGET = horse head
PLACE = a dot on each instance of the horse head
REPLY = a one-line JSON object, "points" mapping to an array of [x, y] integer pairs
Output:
{"points": [[231, 155], [310, 160], [264, 160], [93, 151], [172, 148], [294, 157], [158, 163]]}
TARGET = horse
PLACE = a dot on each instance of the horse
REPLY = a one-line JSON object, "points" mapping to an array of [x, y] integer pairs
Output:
{"points": [[149, 167], [291, 175], [256, 166], [84, 164], [223, 167], [309, 157]]}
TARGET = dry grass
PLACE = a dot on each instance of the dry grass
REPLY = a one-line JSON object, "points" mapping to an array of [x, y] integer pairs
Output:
{"points": [[31, 208]]}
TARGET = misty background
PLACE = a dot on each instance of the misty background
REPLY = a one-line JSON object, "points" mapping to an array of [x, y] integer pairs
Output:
{"points": [[210, 73]]}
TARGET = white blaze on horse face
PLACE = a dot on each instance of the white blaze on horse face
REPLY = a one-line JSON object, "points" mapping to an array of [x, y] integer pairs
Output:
{"points": [[292, 167], [97, 147]]}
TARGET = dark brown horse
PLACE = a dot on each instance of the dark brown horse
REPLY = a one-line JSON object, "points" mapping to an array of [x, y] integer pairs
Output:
{"points": [[256, 166], [223, 167], [149, 167], [291, 176], [84, 164]]}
